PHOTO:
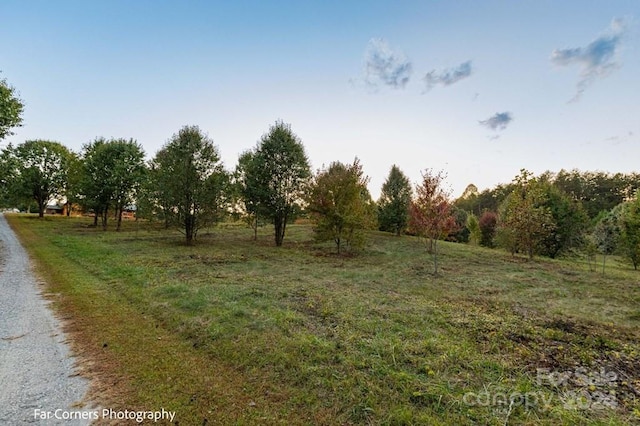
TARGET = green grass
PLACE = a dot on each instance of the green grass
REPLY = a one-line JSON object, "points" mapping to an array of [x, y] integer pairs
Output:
{"points": [[236, 331]]}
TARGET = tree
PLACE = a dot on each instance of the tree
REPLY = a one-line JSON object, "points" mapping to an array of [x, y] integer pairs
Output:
{"points": [[42, 171], [74, 179], [93, 193], [460, 233], [629, 225], [393, 205], [487, 225], [153, 202], [188, 171], [11, 109], [606, 234], [474, 229], [278, 173], [526, 220], [127, 174], [430, 213], [8, 174], [341, 205], [112, 173], [247, 188], [569, 218]]}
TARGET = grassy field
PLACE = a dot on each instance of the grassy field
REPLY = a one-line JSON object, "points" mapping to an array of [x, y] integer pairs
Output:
{"points": [[233, 331]]}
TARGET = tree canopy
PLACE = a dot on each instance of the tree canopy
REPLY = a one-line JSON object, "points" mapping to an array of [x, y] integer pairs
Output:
{"points": [[42, 171], [393, 205], [340, 205], [277, 173], [431, 212], [111, 174], [189, 174], [11, 109]]}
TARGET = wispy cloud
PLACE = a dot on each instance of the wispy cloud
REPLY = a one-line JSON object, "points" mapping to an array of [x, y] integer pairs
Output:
{"points": [[498, 121], [620, 139], [596, 60], [385, 66], [448, 76]]}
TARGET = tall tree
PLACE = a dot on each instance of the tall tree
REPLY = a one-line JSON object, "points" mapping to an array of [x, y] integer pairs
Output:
{"points": [[11, 109], [340, 205], [246, 189], [629, 239], [606, 235], [93, 192], [189, 173], [278, 172], [393, 205], [127, 174], [112, 173], [569, 218], [431, 212], [8, 173], [42, 171], [525, 218]]}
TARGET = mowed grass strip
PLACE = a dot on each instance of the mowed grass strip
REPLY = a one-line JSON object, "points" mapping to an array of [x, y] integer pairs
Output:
{"points": [[240, 332]]}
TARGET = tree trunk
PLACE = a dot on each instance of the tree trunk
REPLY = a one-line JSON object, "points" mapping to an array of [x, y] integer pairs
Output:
{"points": [[105, 218], [604, 261], [95, 219], [189, 227], [41, 207], [435, 257], [255, 229], [119, 219], [279, 223]]}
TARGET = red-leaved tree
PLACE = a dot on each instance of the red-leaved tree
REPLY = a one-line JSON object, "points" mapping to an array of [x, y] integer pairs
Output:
{"points": [[431, 213]]}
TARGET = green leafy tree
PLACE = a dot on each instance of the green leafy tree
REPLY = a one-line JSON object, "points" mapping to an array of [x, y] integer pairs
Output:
{"points": [[629, 238], [474, 229], [341, 206], [9, 168], [11, 109], [606, 235], [153, 203], [278, 174], [112, 174], [93, 193], [569, 218], [189, 173], [247, 190], [393, 205], [460, 233], [597, 191], [127, 174], [42, 171], [74, 178], [431, 213], [526, 220]]}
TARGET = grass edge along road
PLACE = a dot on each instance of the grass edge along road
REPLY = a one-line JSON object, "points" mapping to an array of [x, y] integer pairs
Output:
{"points": [[237, 332], [133, 364]]}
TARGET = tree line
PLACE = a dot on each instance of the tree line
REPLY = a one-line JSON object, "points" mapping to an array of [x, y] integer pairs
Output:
{"points": [[556, 214], [186, 186]]}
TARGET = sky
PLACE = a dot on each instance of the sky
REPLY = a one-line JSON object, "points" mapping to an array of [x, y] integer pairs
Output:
{"points": [[479, 89]]}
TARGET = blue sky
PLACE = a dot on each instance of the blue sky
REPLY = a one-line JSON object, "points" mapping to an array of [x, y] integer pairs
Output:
{"points": [[480, 89]]}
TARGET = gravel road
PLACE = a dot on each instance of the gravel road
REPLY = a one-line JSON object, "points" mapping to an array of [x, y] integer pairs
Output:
{"points": [[36, 368]]}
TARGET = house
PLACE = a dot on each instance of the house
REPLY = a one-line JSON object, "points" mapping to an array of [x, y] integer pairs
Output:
{"points": [[55, 208]]}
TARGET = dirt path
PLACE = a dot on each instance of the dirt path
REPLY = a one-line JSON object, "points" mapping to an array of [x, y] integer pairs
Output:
{"points": [[36, 369]]}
